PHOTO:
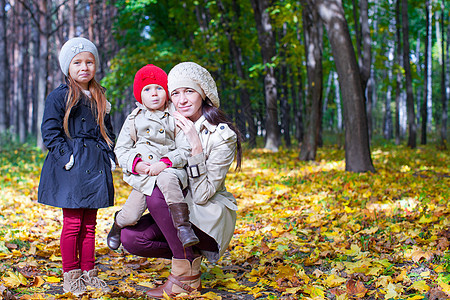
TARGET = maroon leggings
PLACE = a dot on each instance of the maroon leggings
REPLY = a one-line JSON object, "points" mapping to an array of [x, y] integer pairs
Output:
{"points": [[156, 236], [78, 239]]}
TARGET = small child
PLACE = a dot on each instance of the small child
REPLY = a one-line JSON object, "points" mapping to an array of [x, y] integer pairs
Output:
{"points": [[152, 150], [76, 175]]}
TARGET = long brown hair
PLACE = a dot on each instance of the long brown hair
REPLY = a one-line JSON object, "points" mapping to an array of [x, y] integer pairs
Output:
{"points": [[97, 101], [215, 116]]}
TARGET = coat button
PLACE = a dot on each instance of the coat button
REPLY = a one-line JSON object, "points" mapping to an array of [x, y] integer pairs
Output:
{"points": [[148, 130], [83, 120], [88, 171], [161, 130], [101, 171], [98, 146], [206, 131], [84, 145], [150, 157], [148, 143], [222, 127]]}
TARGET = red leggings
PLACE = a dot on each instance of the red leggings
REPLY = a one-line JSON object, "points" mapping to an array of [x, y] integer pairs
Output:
{"points": [[78, 239]]}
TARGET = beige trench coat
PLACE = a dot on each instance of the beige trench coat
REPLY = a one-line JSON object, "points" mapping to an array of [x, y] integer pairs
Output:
{"points": [[157, 137], [212, 208]]}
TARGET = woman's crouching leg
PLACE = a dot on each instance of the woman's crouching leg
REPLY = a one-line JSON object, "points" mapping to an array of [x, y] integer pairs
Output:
{"points": [[145, 239]]}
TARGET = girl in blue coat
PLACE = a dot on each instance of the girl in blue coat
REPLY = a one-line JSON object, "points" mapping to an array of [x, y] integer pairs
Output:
{"points": [[76, 175]]}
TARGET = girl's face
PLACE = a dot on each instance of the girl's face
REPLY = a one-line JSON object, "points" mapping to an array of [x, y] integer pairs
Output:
{"points": [[154, 97], [82, 68], [188, 102]]}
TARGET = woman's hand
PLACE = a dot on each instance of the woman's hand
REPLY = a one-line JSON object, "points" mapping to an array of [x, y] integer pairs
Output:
{"points": [[189, 130]]}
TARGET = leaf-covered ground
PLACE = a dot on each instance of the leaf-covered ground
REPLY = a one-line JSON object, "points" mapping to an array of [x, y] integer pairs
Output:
{"points": [[304, 231]]}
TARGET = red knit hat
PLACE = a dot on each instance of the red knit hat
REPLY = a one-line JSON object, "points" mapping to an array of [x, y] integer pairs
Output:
{"points": [[150, 74]]}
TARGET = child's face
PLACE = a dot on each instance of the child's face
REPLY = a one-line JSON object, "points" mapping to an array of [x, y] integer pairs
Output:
{"points": [[82, 68], [154, 97]]}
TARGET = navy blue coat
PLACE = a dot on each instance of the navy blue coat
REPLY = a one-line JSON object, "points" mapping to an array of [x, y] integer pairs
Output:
{"points": [[89, 183]]}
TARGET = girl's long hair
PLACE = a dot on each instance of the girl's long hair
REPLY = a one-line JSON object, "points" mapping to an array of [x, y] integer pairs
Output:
{"points": [[215, 116], [97, 101]]}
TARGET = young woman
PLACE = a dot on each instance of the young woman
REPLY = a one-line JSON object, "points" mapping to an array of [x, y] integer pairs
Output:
{"points": [[76, 174], [215, 143]]}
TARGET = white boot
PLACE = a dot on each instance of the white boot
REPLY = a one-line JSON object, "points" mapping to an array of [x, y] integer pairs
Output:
{"points": [[74, 282]]}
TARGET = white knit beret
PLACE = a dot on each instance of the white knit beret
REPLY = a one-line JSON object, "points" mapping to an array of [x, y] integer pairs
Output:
{"points": [[194, 76], [71, 48]]}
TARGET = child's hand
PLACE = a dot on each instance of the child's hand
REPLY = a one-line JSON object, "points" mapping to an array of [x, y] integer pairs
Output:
{"points": [[141, 167], [156, 168]]}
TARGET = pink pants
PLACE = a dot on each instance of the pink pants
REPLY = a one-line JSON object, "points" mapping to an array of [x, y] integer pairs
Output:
{"points": [[78, 239]]}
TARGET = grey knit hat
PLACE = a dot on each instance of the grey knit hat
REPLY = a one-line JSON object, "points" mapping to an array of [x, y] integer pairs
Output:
{"points": [[71, 48], [194, 76]]}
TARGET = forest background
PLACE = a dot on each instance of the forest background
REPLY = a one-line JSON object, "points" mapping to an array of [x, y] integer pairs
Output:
{"points": [[318, 89]]}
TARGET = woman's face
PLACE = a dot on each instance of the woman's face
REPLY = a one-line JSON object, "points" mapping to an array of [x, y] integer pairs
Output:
{"points": [[82, 68], [188, 102]]}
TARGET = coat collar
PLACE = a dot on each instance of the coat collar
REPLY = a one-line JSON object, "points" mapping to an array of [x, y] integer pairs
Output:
{"points": [[158, 113], [202, 124]]}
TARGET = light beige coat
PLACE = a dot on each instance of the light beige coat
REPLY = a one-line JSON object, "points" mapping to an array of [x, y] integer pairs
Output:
{"points": [[212, 207], [157, 137]]}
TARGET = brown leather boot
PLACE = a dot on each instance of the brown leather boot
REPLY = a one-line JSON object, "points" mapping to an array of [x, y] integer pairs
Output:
{"points": [[184, 278], [180, 218], [113, 239]]}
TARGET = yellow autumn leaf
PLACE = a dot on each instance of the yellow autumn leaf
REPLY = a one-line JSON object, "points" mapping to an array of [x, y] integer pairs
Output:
{"points": [[314, 291], [14, 280], [211, 296], [334, 281], [55, 257], [445, 287], [52, 279], [420, 286], [391, 293], [293, 290], [374, 271], [400, 277], [147, 284]]}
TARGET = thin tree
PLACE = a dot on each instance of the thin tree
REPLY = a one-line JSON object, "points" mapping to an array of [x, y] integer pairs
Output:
{"points": [[398, 85], [365, 61], [4, 74], [357, 150], [444, 80], [408, 78], [313, 34], [427, 78], [267, 43]]}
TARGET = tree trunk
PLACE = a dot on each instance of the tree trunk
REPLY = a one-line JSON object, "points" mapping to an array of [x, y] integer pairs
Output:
{"points": [[387, 120], [298, 109], [72, 17], [444, 79], [365, 60], [4, 74], [19, 99], [408, 78], [267, 42], [427, 76], [398, 86], [43, 66], [284, 99], [337, 95], [313, 33], [357, 150]]}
